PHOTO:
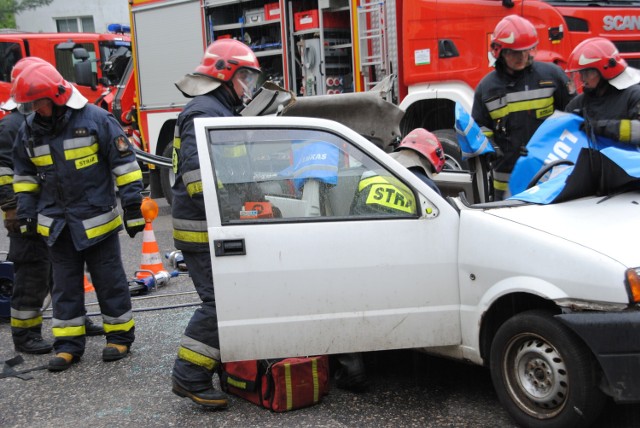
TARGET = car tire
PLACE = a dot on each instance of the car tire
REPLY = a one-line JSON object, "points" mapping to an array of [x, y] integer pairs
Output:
{"points": [[453, 156], [544, 375], [167, 176]]}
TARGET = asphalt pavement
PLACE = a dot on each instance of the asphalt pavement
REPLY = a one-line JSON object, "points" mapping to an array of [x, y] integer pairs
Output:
{"points": [[408, 388]]}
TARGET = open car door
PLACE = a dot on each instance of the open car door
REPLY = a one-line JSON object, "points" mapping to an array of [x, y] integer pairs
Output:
{"points": [[304, 260]]}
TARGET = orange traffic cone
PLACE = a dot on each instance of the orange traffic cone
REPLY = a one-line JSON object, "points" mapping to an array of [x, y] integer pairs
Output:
{"points": [[151, 260], [88, 286]]}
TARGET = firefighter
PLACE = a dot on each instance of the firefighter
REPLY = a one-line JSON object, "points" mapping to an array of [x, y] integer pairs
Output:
{"points": [[32, 270], [68, 158], [220, 85], [515, 98], [610, 101], [421, 153]]}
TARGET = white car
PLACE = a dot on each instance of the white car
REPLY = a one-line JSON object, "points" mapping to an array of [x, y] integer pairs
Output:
{"points": [[546, 296]]}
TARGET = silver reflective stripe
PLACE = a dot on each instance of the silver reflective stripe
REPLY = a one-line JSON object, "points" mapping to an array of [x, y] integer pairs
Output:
{"points": [[200, 348], [635, 131], [44, 220], [75, 143], [41, 150], [501, 176], [190, 225], [520, 96], [191, 177], [25, 179], [99, 220], [124, 318], [126, 168], [74, 322], [6, 171], [25, 315]]}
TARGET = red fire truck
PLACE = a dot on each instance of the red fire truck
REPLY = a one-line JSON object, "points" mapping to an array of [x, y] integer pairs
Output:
{"points": [[436, 48], [95, 63]]}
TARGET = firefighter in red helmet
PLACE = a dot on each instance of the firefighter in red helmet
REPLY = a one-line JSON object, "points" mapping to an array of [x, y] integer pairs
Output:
{"points": [[515, 98], [610, 102], [223, 82], [69, 156]]}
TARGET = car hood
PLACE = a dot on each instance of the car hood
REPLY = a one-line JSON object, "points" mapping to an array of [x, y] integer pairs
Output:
{"points": [[609, 225]]}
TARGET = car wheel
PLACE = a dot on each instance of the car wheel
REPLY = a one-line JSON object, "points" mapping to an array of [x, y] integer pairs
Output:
{"points": [[167, 177], [543, 373], [452, 154]]}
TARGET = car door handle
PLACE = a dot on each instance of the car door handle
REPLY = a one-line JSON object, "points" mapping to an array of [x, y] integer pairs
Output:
{"points": [[229, 247]]}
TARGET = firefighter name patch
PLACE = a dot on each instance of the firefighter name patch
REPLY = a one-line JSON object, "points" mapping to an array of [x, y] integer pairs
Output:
{"points": [[122, 144]]}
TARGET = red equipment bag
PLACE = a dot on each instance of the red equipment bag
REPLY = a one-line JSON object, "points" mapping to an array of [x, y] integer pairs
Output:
{"points": [[278, 385]]}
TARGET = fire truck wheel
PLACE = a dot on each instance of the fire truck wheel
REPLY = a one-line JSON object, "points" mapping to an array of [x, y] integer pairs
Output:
{"points": [[167, 177], [452, 154], [544, 375]]}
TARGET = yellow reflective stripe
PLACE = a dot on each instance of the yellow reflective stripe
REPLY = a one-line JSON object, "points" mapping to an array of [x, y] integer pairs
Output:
{"points": [[25, 187], [43, 230], [238, 384], [176, 143], [42, 160], [625, 130], [81, 152], [194, 188], [197, 359], [287, 383], [521, 106], [187, 236], [500, 185], [126, 326], [6, 179], [28, 323], [129, 178], [68, 331], [94, 232], [316, 382]]}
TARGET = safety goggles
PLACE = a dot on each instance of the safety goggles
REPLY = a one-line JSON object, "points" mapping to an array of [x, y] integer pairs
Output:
{"points": [[514, 53]]}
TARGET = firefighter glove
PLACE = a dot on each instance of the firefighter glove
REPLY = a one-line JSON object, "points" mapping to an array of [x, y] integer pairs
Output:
{"points": [[28, 227], [133, 221], [11, 223]]}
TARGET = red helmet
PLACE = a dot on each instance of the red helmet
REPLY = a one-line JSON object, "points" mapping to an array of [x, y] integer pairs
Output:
{"points": [[41, 80], [601, 54], [15, 72], [222, 59], [425, 144], [515, 33], [24, 63]]}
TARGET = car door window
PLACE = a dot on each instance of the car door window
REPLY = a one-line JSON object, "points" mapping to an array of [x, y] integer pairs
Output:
{"points": [[278, 175]]}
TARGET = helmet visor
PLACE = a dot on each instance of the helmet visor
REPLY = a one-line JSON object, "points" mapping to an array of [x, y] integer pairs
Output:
{"points": [[248, 80], [30, 107]]}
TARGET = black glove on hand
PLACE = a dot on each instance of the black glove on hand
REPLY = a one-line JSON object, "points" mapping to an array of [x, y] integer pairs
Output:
{"points": [[29, 227], [133, 221], [11, 223]]}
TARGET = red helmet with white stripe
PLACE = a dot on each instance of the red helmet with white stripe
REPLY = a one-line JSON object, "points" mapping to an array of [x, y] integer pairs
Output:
{"points": [[426, 145], [601, 54], [220, 63], [513, 32]]}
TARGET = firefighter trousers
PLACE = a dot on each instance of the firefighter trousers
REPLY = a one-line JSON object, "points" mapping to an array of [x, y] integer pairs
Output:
{"points": [[31, 284], [104, 262], [199, 353]]}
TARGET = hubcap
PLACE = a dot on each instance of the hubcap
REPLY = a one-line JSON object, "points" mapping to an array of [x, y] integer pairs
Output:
{"points": [[537, 376]]}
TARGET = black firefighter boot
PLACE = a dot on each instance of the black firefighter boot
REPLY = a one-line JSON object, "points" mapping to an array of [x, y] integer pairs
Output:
{"points": [[30, 341], [351, 374], [210, 398], [92, 329]]}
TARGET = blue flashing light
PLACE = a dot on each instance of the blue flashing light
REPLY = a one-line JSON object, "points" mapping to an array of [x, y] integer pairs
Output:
{"points": [[119, 28]]}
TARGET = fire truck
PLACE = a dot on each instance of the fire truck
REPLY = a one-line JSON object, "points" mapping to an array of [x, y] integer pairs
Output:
{"points": [[436, 50], [96, 63]]}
